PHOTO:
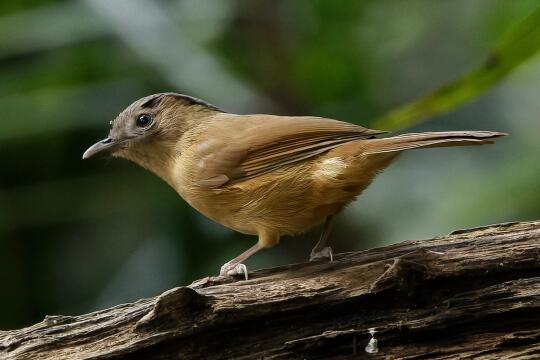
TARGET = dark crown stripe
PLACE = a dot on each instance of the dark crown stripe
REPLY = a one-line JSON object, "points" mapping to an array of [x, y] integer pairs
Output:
{"points": [[155, 100], [195, 101]]}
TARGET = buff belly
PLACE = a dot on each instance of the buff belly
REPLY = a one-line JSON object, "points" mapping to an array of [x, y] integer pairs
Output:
{"points": [[287, 201]]}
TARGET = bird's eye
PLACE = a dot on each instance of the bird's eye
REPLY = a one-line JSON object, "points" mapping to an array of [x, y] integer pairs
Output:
{"points": [[144, 120]]}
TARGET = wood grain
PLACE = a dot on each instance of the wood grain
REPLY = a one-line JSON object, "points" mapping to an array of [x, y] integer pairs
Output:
{"points": [[472, 294]]}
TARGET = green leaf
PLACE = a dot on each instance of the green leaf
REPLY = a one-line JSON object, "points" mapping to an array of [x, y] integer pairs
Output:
{"points": [[513, 49]]}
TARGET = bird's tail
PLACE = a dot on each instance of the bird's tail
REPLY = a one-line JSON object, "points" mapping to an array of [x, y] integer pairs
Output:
{"points": [[431, 139]]}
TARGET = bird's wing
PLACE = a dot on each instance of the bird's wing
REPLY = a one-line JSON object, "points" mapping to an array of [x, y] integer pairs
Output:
{"points": [[258, 144]]}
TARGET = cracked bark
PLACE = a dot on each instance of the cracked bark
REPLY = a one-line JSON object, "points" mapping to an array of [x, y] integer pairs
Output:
{"points": [[472, 294]]}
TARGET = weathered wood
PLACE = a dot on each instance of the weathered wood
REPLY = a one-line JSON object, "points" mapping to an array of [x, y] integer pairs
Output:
{"points": [[472, 294]]}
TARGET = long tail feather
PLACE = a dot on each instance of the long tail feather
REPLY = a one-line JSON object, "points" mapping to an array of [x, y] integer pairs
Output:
{"points": [[431, 139]]}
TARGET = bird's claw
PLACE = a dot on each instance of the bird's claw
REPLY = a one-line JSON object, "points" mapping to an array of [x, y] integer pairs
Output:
{"points": [[231, 269], [324, 253]]}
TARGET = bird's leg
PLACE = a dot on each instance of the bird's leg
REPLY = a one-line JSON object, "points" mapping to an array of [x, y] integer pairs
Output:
{"points": [[235, 266], [321, 249]]}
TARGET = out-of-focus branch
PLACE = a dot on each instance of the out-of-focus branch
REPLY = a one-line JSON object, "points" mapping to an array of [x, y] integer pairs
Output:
{"points": [[148, 30]]}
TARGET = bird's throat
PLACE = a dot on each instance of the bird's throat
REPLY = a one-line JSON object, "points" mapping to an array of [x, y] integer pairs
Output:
{"points": [[154, 157]]}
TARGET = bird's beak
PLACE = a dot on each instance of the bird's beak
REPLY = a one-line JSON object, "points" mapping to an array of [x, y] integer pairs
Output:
{"points": [[105, 145]]}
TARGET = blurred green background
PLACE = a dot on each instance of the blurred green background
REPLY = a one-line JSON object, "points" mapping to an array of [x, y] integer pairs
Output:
{"points": [[77, 236]]}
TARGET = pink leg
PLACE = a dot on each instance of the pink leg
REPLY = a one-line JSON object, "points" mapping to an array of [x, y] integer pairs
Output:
{"points": [[321, 249], [235, 266]]}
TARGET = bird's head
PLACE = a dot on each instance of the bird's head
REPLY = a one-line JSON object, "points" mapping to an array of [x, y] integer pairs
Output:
{"points": [[150, 120], [147, 130]]}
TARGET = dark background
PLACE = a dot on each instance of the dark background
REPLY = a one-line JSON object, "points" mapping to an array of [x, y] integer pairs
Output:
{"points": [[76, 236]]}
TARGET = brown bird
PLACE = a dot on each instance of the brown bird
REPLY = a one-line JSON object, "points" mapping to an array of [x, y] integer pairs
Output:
{"points": [[261, 175]]}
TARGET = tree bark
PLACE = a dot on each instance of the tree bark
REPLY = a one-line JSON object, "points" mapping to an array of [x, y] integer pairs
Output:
{"points": [[472, 294]]}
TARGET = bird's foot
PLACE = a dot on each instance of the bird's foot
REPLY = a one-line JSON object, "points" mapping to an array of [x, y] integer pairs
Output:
{"points": [[324, 253], [232, 268]]}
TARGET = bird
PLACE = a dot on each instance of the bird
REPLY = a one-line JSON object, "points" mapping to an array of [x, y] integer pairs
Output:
{"points": [[259, 174]]}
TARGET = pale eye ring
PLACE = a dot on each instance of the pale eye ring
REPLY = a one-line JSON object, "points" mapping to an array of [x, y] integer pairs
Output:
{"points": [[144, 120]]}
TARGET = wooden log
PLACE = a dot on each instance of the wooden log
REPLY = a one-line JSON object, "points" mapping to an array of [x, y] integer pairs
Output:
{"points": [[472, 294]]}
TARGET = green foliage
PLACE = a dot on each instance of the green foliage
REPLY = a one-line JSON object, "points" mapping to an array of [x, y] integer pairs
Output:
{"points": [[513, 49]]}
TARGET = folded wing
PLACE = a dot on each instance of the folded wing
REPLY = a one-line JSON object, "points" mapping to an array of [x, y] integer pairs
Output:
{"points": [[260, 144]]}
